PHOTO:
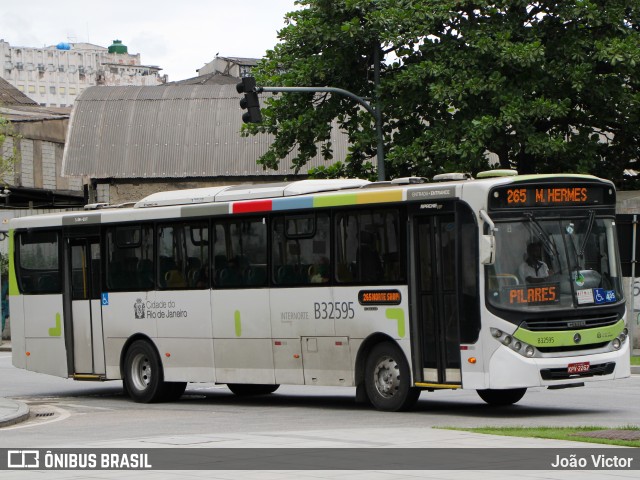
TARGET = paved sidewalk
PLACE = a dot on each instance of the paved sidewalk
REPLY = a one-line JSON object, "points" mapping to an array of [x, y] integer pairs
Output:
{"points": [[12, 412]]}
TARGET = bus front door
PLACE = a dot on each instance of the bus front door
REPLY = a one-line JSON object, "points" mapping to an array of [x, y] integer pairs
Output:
{"points": [[86, 311], [436, 331]]}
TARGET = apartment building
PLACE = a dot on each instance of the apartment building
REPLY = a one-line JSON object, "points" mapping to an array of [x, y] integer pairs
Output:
{"points": [[56, 75]]}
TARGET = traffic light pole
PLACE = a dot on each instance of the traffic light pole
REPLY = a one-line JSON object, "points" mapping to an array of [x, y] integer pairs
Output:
{"points": [[375, 112]]}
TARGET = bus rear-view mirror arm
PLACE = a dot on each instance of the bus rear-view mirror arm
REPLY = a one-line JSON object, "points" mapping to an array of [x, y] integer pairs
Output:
{"points": [[488, 241]]}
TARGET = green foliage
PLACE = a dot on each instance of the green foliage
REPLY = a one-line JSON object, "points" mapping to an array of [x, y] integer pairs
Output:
{"points": [[4, 264], [8, 157], [548, 86]]}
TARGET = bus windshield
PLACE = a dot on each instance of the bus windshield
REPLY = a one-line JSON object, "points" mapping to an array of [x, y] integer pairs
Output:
{"points": [[557, 263]]}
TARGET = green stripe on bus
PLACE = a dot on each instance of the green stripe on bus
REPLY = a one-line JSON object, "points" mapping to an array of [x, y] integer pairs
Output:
{"points": [[57, 330], [13, 280], [335, 200], [397, 314], [568, 337], [238, 323]]}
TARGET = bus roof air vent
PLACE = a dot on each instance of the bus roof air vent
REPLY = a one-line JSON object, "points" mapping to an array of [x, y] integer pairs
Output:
{"points": [[96, 206], [408, 180], [447, 177], [497, 173]]}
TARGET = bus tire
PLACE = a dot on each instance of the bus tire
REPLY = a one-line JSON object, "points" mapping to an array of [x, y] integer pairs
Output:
{"points": [[388, 379], [501, 398], [245, 389], [143, 375]]}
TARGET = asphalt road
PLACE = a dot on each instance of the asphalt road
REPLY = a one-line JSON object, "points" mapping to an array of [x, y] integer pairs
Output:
{"points": [[66, 411]]}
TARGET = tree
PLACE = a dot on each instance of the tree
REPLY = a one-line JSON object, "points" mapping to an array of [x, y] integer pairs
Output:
{"points": [[8, 155], [547, 86]]}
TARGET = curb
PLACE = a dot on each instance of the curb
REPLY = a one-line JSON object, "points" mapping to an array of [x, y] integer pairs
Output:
{"points": [[21, 414], [635, 369]]}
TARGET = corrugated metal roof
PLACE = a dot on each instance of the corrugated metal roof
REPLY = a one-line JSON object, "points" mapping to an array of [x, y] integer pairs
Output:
{"points": [[168, 131], [10, 95]]}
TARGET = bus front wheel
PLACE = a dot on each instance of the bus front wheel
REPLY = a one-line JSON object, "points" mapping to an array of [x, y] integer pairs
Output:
{"points": [[387, 379], [143, 375], [501, 398]]}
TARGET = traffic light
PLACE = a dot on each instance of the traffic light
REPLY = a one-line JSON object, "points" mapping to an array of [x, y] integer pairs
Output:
{"points": [[250, 102]]}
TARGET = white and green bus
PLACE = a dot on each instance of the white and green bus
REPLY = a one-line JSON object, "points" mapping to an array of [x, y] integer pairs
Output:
{"points": [[493, 284]]}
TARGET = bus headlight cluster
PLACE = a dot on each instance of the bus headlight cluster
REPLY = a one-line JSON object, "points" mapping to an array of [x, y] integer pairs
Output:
{"points": [[617, 342], [517, 346]]}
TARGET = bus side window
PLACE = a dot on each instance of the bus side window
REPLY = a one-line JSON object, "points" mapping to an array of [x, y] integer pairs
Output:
{"points": [[240, 253], [368, 247], [183, 248], [129, 251], [300, 249], [38, 267]]}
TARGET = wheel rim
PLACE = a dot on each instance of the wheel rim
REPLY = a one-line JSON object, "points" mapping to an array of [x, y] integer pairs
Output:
{"points": [[141, 371], [386, 377]]}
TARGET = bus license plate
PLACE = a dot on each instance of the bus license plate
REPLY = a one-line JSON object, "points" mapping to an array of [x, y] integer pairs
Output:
{"points": [[578, 367]]}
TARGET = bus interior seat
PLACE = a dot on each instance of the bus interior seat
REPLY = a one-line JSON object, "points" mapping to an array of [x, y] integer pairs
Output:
{"points": [[286, 275], [193, 270], [343, 272], [256, 275], [175, 279], [500, 280], [230, 277], [369, 261], [48, 283], [145, 273]]}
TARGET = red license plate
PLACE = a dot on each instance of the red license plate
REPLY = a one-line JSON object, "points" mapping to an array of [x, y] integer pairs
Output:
{"points": [[578, 367]]}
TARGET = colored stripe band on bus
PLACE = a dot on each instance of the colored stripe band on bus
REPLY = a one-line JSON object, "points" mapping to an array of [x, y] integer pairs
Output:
{"points": [[291, 203]]}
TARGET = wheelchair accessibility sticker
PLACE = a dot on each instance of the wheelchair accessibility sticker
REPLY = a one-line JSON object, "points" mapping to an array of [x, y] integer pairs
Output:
{"points": [[104, 299], [600, 295]]}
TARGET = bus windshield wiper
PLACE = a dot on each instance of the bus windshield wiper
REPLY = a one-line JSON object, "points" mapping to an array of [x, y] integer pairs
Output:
{"points": [[544, 237], [587, 233]]}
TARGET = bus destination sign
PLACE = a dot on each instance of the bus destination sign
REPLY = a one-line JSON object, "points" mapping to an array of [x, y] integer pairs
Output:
{"points": [[533, 295], [379, 297], [521, 196]]}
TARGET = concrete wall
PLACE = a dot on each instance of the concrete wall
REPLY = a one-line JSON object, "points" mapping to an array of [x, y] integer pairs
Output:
{"points": [[116, 192]]}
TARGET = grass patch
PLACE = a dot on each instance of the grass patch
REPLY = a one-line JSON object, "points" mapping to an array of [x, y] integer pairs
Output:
{"points": [[635, 360], [556, 433]]}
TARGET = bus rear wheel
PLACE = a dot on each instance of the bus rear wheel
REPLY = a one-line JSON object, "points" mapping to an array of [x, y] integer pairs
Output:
{"points": [[501, 398], [143, 375], [387, 379], [244, 389]]}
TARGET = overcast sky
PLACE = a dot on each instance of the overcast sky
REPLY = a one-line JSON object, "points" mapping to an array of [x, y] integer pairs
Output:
{"points": [[179, 36]]}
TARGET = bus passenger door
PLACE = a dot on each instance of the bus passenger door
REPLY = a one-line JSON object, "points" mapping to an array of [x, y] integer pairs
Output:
{"points": [[436, 330], [86, 310]]}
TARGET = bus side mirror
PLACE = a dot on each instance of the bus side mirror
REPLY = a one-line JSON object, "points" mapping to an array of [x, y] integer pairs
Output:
{"points": [[487, 249]]}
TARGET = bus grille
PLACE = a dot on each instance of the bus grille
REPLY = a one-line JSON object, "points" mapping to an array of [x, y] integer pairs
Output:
{"points": [[563, 323], [572, 348], [563, 374]]}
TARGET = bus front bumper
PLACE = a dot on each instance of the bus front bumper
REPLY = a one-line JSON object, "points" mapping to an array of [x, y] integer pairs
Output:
{"points": [[508, 369]]}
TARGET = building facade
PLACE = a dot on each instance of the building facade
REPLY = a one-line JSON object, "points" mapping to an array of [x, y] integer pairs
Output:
{"points": [[56, 75], [233, 66]]}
